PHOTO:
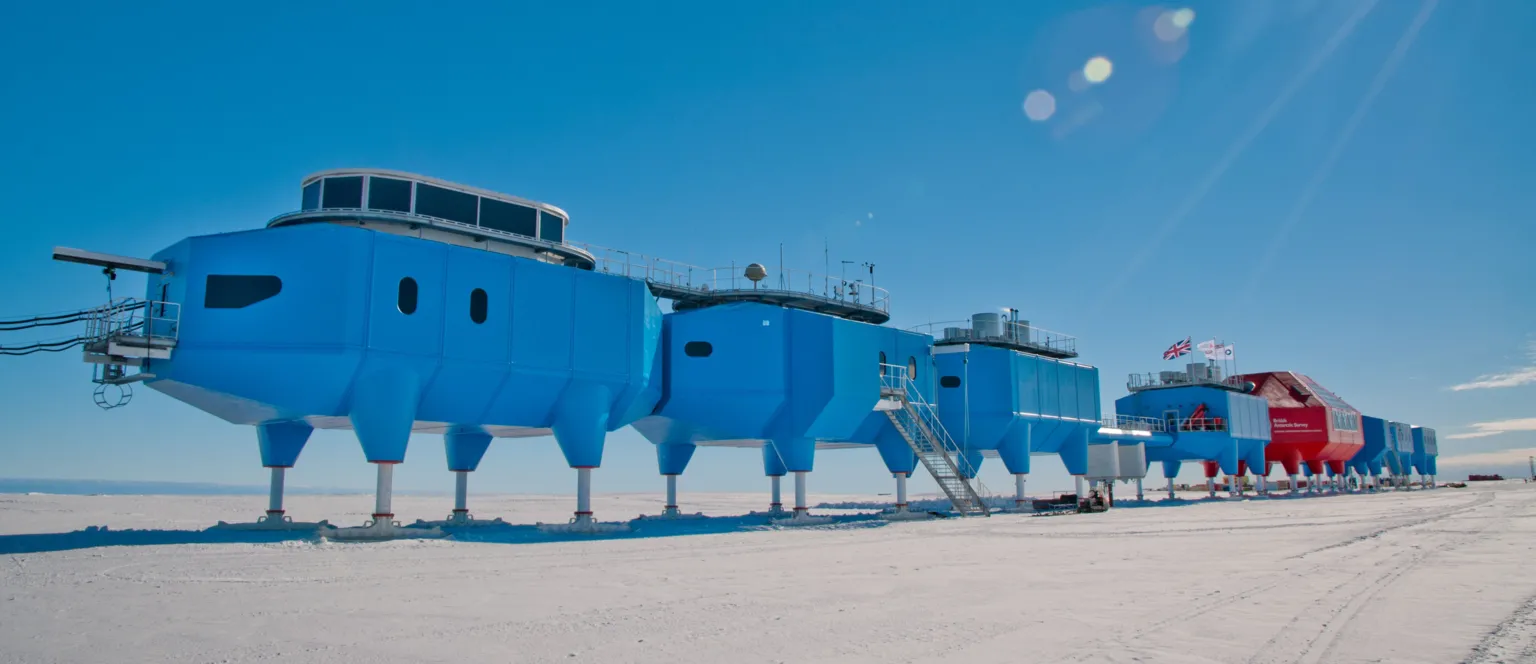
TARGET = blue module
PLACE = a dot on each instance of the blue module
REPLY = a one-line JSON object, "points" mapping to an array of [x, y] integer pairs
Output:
{"points": [[1378, 436], [1398, 457], [1425, 451], [1207, 420], [380, 307], [1008, 389], [784, 379], [1388, 446]]}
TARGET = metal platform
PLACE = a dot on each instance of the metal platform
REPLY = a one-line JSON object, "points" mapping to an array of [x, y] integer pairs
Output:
{"points": [[996, 330], [693, 287]]}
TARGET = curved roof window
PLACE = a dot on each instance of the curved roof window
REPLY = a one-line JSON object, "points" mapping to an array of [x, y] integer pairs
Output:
{"points": [[446, 204], [343, 192], [551, 228], [389, 194], [311, 196], [502, 216]]}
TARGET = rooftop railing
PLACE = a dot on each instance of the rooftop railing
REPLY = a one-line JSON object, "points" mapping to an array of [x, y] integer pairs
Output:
{"points": [[1134, 423], [1143, 381], [682, 279], [1009, 332]]}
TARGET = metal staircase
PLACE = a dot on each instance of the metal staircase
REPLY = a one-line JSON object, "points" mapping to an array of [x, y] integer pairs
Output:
{"points": [[918, 424]]}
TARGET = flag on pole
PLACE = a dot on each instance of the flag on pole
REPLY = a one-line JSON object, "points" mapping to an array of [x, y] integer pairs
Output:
{"points": [[1177, 350], [1210, 349], [1226, 352]]}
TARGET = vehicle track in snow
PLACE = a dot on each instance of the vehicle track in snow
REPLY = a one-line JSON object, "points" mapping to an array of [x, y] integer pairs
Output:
{"points": [[1512, 641], [1320, 641]]}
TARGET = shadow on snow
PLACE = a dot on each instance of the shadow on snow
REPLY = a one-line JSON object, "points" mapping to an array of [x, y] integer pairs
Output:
{"points": [[104, 536]]}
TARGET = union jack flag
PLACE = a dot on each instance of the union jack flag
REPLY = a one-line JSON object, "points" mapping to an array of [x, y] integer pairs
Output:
{"points": [[1177, 349]]}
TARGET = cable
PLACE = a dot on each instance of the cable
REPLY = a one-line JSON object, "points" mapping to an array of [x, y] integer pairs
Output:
{"points": [[64, 318], [53, 347]]}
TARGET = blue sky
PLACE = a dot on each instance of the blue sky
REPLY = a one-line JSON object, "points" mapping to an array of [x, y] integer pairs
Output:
{"points": [[1338, 188]]}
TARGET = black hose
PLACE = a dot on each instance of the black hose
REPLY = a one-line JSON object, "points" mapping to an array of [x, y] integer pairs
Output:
{"points": [[62, 319]]}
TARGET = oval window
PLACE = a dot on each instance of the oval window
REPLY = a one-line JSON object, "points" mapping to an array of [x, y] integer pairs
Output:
{"points": [[406, 300], [949, 381], [698, 349], [882, 363], [478, 302], [912, 368]]}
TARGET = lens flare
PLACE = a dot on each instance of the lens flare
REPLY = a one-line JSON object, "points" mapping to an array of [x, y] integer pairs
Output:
{"points": [[1098, 69], [1039, 105]]}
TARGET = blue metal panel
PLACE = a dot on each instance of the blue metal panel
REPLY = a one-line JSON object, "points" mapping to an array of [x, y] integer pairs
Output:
{"points": [[1425, 449], [541, 337], [1377, 434], [1088, 393], [394, 260]]}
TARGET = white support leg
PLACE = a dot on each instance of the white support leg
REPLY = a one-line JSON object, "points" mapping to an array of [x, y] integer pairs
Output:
{"points": [[275, 496], [1081, 495], [1139, 496], [460, 517], [383, 526], [461, 493], [777, 504], [583, 523], [384, 491], [1431, 481], [1210, 486], [1018, 492], [800, 506], [1170, 489], [1261, 484], [900, 512], [1234, 486], [671, 507], [802, 515], [583, 495], [275, 518]]}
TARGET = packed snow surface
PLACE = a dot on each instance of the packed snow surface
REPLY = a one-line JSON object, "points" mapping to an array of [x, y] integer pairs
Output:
{"points": [[1446, 575]]}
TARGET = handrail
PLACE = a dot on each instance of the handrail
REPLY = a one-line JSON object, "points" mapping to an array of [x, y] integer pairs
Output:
{"points": [[1141, 381], [1203, 424], [705, 281], [1013, 332], [895, 377], [1134, 423]]}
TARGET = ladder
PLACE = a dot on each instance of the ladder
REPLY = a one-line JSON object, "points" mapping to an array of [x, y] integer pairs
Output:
{"points": [[918, 424]]}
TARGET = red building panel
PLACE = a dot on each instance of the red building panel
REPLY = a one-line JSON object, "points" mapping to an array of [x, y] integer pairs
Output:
{"points": [[1310, 425]]}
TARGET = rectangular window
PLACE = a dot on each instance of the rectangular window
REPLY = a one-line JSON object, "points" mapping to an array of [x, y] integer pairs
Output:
{"points": [[311, 196], [445, 204], [344, 192], [501, 216], [552, 228], [389, 194]]}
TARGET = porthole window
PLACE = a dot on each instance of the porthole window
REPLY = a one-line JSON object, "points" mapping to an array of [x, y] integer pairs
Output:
{"points": [[949, 381], [478, 303], [698, 349], [912, 368], [406, 299]]}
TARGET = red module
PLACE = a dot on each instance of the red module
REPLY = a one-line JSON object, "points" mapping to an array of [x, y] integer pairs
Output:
{"points": [[1308, 424]]}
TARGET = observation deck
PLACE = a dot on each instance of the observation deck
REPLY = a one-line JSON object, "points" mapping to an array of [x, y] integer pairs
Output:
{"points": [[1196, 374], [432, 209], [693, 287], [989, 329]]}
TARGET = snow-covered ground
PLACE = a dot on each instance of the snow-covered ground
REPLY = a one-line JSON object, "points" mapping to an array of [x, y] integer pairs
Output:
{"points": [[1426, 576]]}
